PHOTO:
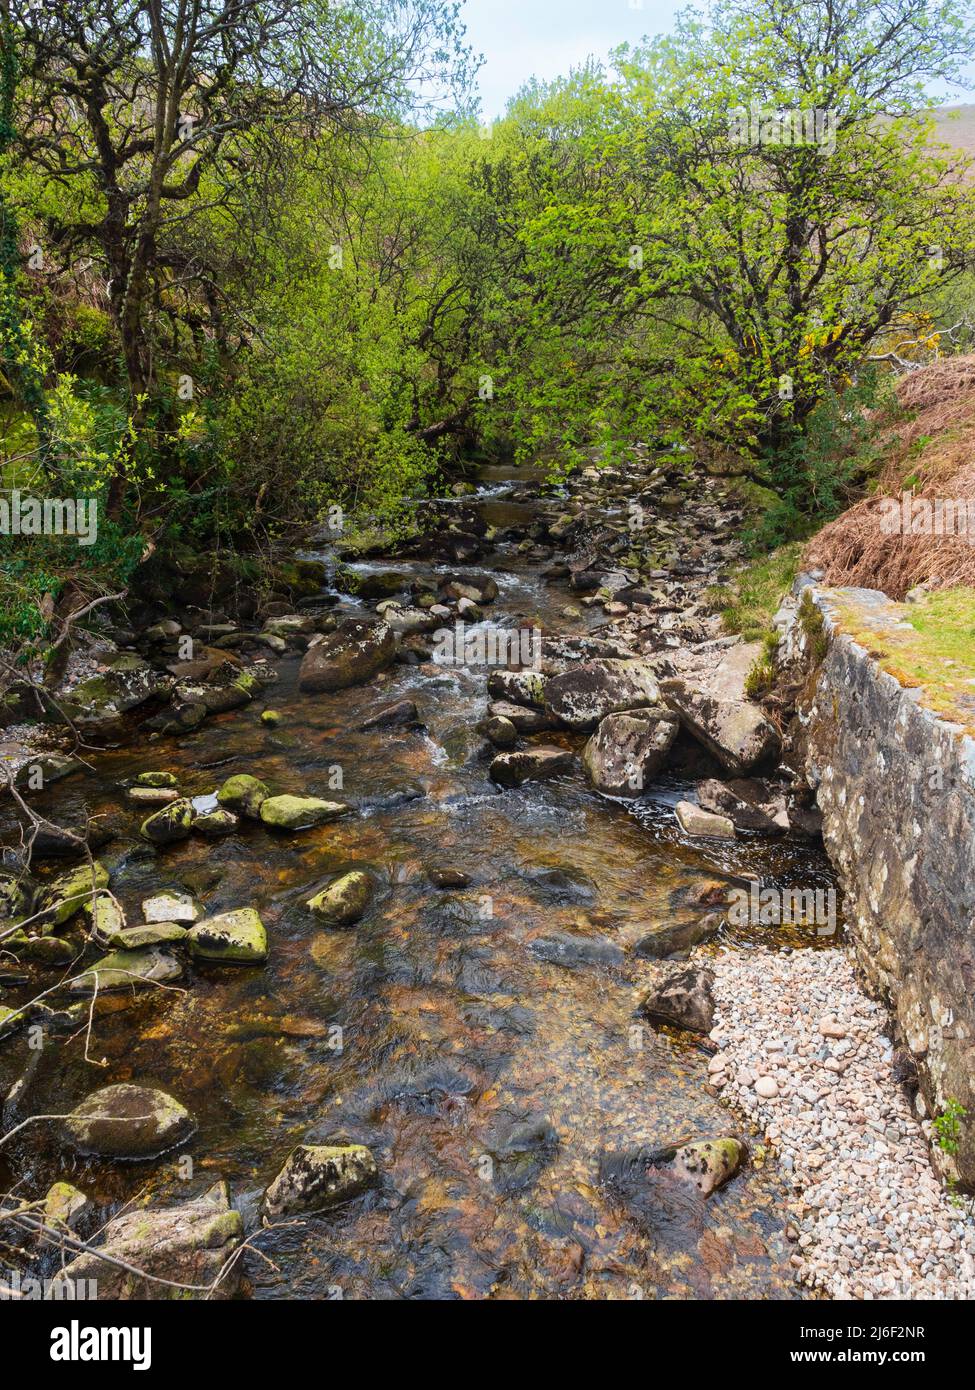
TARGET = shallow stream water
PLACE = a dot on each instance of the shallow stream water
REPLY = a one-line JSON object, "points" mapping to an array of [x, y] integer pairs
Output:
{"points": [[499, 1076]]}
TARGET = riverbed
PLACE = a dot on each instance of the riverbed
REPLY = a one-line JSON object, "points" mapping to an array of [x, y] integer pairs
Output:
{"points": [[500, 1077]]}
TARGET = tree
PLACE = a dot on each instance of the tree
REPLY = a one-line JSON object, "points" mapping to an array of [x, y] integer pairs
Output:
{"points": [[147, 113], [724, 228]]}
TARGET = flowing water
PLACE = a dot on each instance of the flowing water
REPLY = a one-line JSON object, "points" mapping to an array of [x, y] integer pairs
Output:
{"points": [[489, 1050]]}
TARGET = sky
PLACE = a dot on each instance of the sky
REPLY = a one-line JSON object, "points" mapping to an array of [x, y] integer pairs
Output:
{"points": [[521, 39], [545, 38]]}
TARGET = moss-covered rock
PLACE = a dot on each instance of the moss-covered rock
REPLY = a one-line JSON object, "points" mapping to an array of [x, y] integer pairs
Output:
{"points": [[172, 823], [128, 1121], [69, 892], [64, 1205], [128, 969], [708, 1164], [233, 938], [156, 779], [345, 901], [318, 1176], [214, 824], [192, 1244], [358, 650], [10, 1020], [45, 950], [245, 794], [152, 934], [300, 812], [105, 917], [16, 897]]}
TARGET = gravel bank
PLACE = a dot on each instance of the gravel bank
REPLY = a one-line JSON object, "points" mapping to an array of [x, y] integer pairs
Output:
{"points": [[803, 1055]]}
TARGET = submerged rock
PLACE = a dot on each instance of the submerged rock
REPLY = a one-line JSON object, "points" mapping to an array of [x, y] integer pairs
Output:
{"points": [[128, 1121], [345, 901], [316, 1177], [680, 937], [531, 765], [190, 1244], [682, 998], [172, 823], [401, 715], [358, 650], [628, 750], [563, 948], [300, 812], [245, 794], [233, 938], [448, 878]]}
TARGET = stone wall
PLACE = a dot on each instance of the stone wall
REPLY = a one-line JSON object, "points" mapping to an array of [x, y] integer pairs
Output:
{"points": [[896, 786]]}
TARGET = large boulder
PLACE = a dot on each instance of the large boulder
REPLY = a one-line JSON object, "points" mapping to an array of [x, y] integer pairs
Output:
{"points": [[582, 696], [128, 1121], [628, 750], [378, 585], [736, 732], [355, 652], [300, 812], [532, 765], [682, 998], [192, 1244], [318, 1176], [232, 938], [97, 705]]}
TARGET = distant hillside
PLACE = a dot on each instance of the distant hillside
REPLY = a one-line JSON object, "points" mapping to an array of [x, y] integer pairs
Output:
{"points": [[956, 126]]}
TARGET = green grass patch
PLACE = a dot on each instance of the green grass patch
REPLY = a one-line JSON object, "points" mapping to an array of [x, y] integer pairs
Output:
{"points": [[934, 654], [748, 604]]}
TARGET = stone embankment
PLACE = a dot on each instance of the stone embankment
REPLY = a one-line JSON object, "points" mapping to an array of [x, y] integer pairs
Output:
{"points": [[886, 743]]}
